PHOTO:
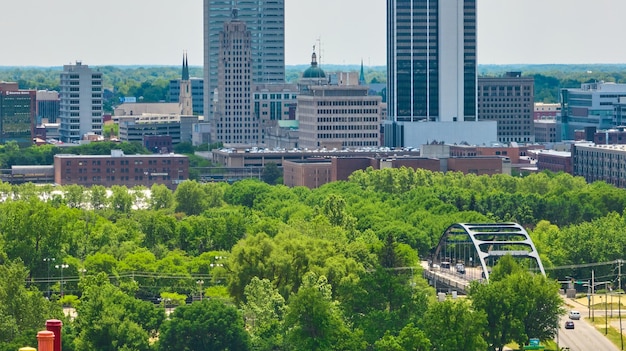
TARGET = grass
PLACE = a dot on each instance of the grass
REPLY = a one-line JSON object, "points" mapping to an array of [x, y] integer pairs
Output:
{"points": [[612, 333]]}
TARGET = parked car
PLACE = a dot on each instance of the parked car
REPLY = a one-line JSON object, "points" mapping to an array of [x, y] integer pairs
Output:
{"points": [[569, 325], [574, 315]]}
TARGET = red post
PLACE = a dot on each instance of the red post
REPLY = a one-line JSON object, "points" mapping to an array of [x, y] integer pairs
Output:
{"points": [[54, 325], [45, 340]]}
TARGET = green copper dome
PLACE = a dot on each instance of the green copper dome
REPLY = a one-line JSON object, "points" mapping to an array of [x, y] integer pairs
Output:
{"points": [[314, 71]]}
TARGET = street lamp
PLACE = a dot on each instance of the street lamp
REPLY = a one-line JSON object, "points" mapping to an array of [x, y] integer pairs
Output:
{"points": [[200, 283], [61, 266], [48, 259]]}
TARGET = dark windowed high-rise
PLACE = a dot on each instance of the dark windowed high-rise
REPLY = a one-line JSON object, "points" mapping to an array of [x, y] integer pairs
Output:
{"points": [[431, 60], [265, 19]]}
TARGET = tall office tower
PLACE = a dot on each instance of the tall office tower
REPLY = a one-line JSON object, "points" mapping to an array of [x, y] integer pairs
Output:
{"points": [[233, 122], [184, 99], [17, 114], [431, 66], [81, 102], [509, 101], [265, 20]]}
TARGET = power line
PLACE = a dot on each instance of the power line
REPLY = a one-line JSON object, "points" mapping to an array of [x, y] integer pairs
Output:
{"points": [[582, 265]]}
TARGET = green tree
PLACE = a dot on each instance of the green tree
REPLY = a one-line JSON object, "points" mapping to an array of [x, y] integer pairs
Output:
{"points": [[98, 197], [74, 195], [271, 173], [23, 310], [189, 197], [410, 338], [121, 199], [161, 197], [315, 321], [204, 325], [463, 330], [264, 312], [518, 306], [108, 319]]}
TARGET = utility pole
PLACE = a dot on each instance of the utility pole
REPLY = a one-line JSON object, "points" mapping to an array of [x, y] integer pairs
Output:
{"points": [[588, 299], [619, 302], [593, 312]]}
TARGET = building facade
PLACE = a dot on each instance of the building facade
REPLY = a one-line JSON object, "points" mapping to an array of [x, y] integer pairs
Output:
{"points": [[431, 64], [265, 19], [554, 161], [233, 121], [600, 162], [197, 93], [610, 136], [120, 169], [272, 103], [17, 114], [592, 105], [508, 100], [338, 117], [81, 102], [48, 106], [547, 131], [135, 128], [546, 111]]}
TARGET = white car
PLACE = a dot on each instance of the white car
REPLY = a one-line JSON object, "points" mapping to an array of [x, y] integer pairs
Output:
{"points": [[574, 315]]}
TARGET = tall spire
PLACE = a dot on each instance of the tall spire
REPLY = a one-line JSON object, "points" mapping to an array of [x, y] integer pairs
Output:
{"points": [[234, 12], [185, 67], [362, 75]]}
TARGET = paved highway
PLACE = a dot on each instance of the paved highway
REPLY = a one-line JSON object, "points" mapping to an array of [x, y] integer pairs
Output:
{"points": [[584, 337]]}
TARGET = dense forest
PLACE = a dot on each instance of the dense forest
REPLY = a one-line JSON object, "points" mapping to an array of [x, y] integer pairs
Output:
{"points": [[250, 266], [150, 84]]}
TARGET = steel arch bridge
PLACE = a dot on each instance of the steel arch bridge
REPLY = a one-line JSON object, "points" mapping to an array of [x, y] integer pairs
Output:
{"points": [[465, 248]]}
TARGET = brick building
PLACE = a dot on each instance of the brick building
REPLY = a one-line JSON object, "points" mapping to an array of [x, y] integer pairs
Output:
{"points": [[310, 173], [120, 169], [555, 161]]}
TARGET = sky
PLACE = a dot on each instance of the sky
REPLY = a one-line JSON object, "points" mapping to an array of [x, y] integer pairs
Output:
{"points": [[156, 32]]}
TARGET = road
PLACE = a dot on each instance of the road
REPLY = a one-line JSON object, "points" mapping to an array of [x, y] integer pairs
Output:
{"points": [[584, 337]]}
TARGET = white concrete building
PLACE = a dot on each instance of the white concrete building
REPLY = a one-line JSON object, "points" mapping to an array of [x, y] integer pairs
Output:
{"points": [[81, 102]]}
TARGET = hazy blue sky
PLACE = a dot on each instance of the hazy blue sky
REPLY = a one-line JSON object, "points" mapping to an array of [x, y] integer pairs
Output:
{"points": [[53, 33]]}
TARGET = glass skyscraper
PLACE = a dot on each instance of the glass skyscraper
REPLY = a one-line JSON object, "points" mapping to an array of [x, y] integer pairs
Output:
{"points": [[265, 19], [431, 61]]}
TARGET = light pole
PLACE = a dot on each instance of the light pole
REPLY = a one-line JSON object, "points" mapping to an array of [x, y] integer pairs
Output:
{"points": [[48, 259], [61, 266], [200, 283]]}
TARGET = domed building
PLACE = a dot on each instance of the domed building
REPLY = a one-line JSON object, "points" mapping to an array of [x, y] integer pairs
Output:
{"points": [[313, 75]]}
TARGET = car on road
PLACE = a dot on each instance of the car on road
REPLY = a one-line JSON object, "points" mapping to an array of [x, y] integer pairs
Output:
{"points": [[460, 268], [574, 315], [569, 325]]}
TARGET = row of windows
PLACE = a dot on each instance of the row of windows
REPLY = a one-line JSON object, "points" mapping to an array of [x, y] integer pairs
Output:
{"points": [[347, 135], [345, 119], [122, 162], [349, 127], [275, 96], [349, 111], [348, 103]]}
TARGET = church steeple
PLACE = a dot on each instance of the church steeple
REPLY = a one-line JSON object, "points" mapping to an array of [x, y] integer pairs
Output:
{"points": [[362, 75], [185, 67]]}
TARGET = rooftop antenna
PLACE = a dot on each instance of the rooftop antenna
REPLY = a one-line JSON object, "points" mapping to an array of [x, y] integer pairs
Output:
{"points": [[319, 46], [235, 10]]}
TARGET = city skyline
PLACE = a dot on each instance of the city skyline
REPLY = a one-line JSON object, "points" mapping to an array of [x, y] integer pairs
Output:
{"points": [[144, 32]]}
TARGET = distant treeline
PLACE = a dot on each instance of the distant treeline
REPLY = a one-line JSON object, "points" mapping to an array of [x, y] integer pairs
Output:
{"points": [[151, 82]]}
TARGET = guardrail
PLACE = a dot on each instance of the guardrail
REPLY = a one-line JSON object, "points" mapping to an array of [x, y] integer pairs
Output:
{"points": [[442, 279]]}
